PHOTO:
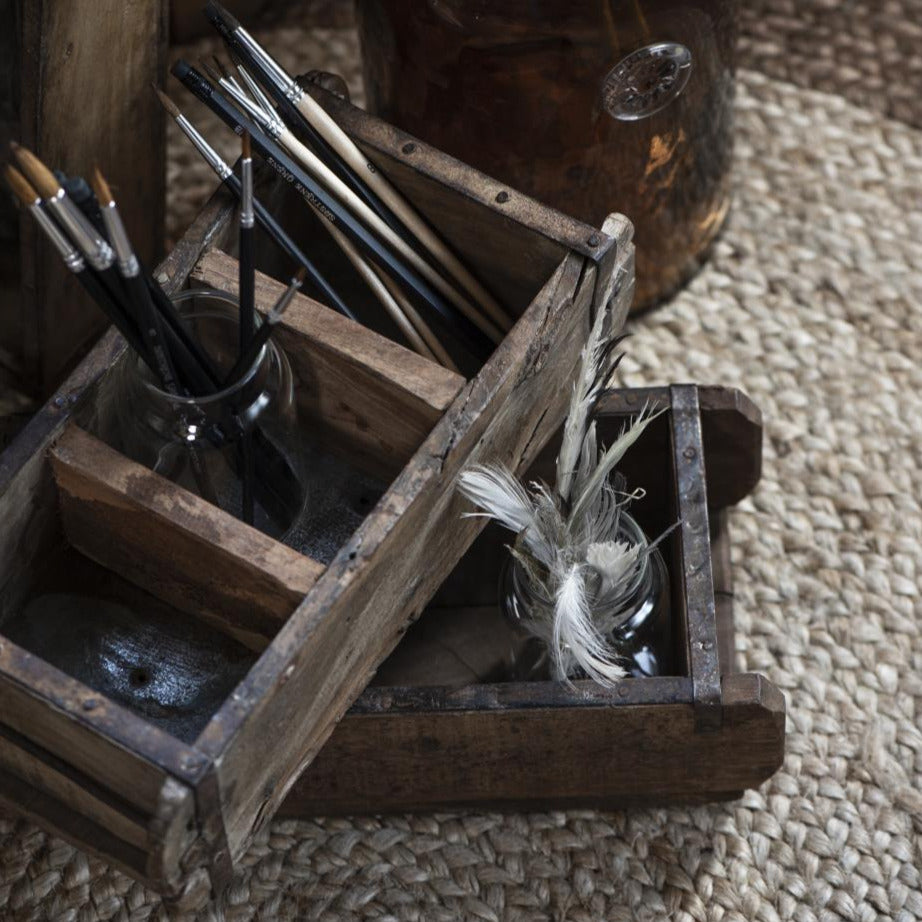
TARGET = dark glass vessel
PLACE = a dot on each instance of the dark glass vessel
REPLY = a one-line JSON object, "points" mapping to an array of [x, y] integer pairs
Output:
{"points": [[591, 107]]}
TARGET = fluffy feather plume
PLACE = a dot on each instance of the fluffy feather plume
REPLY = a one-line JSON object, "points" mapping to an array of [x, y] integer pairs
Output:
{"points": [[570, 549], [576, 637]]}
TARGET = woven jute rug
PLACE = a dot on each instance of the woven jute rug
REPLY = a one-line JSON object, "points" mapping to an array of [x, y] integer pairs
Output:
{"points": [[811, 304]]}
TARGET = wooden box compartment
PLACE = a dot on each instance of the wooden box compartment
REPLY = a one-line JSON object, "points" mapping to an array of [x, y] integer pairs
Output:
{"points": [[163, 716], [702, 732]]}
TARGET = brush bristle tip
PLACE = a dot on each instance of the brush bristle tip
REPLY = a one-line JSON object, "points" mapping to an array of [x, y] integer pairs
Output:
{"points": [[37, 173], [23, 191], [166, 102], [100, 186]]}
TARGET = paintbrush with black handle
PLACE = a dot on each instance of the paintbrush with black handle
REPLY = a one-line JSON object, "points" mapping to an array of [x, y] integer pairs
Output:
{"points": [[464, 327], [266, 221], [77, 263], [247, 296], [148, 319]]}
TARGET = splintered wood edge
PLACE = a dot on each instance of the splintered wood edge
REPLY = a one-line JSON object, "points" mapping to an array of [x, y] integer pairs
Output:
{"points": [[353, 343]]}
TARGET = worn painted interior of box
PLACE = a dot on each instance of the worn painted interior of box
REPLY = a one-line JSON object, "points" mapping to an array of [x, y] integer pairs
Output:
{"points": [[135, 590]]}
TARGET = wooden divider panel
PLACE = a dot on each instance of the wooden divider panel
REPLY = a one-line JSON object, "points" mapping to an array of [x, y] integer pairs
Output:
{"points": [[174, 544], [363, 393]]}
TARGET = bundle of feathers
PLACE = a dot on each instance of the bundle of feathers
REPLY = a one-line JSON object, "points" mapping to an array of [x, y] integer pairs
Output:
{"points": [[576, 560]]}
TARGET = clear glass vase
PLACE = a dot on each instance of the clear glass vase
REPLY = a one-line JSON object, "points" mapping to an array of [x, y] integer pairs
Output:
{"points": [[240, 447], [636, 621]]}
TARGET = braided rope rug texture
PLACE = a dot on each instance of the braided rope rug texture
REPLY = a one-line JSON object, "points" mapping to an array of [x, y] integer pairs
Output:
{"points": [[869, 51], [811, 303]]}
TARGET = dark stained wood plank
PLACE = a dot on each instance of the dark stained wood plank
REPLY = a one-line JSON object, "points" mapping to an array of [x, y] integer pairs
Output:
{"points": [[493, 753], [96, 58], [723, 591]]}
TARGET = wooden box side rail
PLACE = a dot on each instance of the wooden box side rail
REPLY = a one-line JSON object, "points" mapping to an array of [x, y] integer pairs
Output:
{"points": [[362, 392], [694, 611], [503, 412], [495, 752], [93, 771], [499, 233]]}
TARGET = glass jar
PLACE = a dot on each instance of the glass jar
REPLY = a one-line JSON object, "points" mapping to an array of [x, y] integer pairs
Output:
{"points": [[590, 107], [636, 621], [240, 447]]}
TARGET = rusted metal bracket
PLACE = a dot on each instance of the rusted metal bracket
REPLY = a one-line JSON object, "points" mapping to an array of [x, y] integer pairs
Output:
{"points": [[694, 535]]}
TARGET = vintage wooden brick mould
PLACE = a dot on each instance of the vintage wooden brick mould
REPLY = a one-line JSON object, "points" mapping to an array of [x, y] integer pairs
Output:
{"points": [[175, 798]]}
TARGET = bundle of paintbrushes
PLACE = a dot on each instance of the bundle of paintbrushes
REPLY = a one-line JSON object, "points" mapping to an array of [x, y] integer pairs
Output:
{"points": [[184, 371], [412, 274]]}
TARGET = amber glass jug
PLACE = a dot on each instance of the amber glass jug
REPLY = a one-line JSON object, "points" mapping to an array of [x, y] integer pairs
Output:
{"points": [[591, 107]]}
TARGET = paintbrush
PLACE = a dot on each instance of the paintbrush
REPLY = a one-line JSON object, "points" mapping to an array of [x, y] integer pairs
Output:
{"points": [[464, 327], [290, 94], [265, 219], [169, 349], [352, 179], [249, 358], [277, 130], [75, 262], [253, 85], [404, 315], [87, 239], [246, 286], [149, 321], [189, 359], [247, 278]]}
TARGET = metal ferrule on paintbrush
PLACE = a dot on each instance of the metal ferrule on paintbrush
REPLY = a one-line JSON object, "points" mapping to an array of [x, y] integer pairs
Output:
{"points": [[273, 126], [231, 30], [69, 253], [209, 154], [253, 86], [97, 252], [89, 242], [246, 192], [33, 201], [128, 265]]}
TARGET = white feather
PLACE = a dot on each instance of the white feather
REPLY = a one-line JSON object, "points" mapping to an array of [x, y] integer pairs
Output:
{"points": [[580, 404], [576, 637], [614, 561], [502, 497], [567, 546], [496, 491], [617, 450]]}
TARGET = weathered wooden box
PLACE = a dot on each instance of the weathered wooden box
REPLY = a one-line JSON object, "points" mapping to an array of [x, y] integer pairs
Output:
{"points": [[705, 732], [101, 740], [173, 802]]}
